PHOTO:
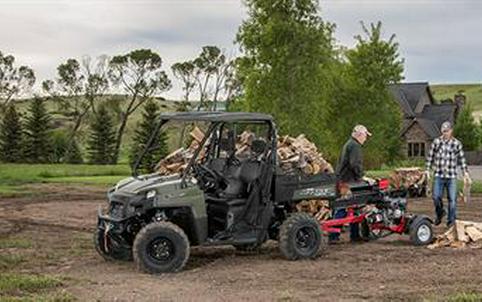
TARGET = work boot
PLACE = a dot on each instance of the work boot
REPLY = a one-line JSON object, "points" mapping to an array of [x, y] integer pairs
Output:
{"points": [[438, 219]]}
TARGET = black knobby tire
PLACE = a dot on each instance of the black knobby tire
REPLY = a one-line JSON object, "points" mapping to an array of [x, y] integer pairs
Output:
{"points": [[161, 247], [421, 232], [110, 251], [300, 237]]}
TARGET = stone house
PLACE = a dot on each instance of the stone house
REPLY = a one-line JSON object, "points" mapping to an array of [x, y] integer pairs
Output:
{"points": [[422, 116]]}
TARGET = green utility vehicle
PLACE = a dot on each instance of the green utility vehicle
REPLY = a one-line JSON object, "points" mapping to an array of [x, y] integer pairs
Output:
{"points": [[220, 198]]}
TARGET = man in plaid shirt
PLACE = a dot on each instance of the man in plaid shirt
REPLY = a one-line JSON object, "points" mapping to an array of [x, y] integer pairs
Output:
{"points": [[444, 157]]}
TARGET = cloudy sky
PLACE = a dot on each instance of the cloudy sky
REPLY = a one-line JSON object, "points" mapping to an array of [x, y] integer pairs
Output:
{"points": [[439, 39]]}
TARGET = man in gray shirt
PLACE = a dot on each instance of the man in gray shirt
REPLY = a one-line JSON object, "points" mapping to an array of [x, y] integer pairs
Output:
{"points": [[350, 169]]}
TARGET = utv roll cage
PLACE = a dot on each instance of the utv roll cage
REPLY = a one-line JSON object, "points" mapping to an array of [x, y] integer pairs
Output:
{"points": [[214, 118]]}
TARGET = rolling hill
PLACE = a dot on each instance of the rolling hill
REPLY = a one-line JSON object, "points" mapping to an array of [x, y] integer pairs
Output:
{"points": [[473, 93]]}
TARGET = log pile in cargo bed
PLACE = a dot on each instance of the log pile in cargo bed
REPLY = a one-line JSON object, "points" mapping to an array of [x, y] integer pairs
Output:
{"points": [[461, 234], [300, 155], [177, 161], [295, 155]]}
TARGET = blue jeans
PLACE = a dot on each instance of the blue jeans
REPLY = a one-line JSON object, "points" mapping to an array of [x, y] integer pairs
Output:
{"points": [[354, 230], [450, 184]]}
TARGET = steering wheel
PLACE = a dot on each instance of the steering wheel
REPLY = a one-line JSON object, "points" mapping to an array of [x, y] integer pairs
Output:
{"points": [[208, 179]]}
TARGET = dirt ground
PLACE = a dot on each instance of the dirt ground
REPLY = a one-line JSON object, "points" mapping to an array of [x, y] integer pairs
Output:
{"points": [[58, 220]]}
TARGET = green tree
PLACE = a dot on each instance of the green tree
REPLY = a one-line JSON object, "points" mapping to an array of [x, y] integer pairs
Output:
{"points": [[362, 96], [59, 145], [184, 71], [288, 50], [143, 132], [77, 89], [466, 129], [73, 154], [140, 75], [14, 81], [213, 73], [101, 141], [11, 136], [38, 140]]}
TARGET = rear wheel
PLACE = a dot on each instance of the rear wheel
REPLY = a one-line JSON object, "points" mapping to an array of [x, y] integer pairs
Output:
{"points": [[421, 232], [109, 249], [161, 247], [300, 237]]}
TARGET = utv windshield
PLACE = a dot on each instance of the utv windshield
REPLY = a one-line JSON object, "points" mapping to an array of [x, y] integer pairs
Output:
{"points": [[202, 138]]}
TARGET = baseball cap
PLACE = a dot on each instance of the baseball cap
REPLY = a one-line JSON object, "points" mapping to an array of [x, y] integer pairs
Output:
{"points": [[446, 126], [361, 129]]}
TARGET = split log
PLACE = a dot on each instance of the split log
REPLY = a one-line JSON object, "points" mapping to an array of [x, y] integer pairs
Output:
{"points": [[462, 234], [473, 233], [464, 195], [197, 134], [319, 208]]}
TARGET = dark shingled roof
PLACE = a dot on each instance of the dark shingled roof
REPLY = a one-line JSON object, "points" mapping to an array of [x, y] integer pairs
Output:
{"points": [[429, 127], [439, 113], [409, 94], [431, 119]]}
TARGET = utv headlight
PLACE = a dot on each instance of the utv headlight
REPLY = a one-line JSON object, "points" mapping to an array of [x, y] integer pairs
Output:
{"points": [[151, 194]]}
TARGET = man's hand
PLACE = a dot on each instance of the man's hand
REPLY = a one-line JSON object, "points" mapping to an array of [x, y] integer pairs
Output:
{"points": [[369, 180]]}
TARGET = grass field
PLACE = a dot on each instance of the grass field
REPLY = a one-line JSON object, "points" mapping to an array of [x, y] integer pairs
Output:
{"points": [[473, 93], [13, 177]]}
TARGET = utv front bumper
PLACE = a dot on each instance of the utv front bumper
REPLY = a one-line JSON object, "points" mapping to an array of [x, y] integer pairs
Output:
{"points": [[112, 224]]}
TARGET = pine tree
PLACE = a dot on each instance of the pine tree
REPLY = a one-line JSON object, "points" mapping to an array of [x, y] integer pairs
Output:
{"points": [[38, 140], [101, 142], [59, 145], [73, 154], [143, 132], [466, 130], [11, 136]]}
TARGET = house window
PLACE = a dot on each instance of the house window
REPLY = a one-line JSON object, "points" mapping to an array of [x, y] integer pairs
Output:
{"points": [[416, 149]]}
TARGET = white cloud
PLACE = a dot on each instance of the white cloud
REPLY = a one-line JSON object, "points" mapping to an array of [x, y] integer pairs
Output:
{"points": [[439, 39]]}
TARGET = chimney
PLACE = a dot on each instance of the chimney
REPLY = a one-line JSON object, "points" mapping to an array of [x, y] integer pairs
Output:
{"points": [[459, 100]]}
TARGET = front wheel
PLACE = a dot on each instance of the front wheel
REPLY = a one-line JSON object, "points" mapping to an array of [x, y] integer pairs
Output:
{"points": [[300, 237], [161, 247], [421, 232]]}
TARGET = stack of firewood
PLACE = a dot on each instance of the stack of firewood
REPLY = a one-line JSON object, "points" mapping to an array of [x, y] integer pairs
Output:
{"points": [[318, 208], [177, 161], [408, 177], [461, 234], [294, 154], [300, 155]]}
